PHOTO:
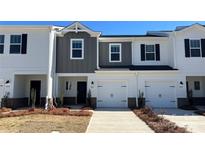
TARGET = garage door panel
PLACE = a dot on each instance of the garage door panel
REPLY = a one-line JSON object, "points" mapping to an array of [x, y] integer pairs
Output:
{"points": [[160, 94], [112, 94]]}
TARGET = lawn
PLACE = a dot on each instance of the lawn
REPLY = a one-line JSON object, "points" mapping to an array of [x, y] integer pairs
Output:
{"points": [[44, 123]]}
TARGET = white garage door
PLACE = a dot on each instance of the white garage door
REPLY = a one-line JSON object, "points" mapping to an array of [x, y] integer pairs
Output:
{"points": [[112, 94], [160, 94]]}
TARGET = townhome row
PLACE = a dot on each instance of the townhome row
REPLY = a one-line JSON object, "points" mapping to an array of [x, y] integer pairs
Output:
{"points": [[70, 62]]}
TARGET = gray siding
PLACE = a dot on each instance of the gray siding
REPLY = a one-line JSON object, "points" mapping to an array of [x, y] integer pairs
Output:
{"points": [[126, 54], [67, 65]]}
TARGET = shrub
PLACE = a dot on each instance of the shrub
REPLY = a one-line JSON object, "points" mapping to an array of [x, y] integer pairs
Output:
{"points": [[158, 124]]}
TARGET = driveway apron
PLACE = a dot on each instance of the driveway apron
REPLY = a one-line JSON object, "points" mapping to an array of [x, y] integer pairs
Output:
{"points": [[116, 121]]}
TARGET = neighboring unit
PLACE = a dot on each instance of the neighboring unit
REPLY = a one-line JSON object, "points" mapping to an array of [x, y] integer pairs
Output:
{"points": [[70, 62]]}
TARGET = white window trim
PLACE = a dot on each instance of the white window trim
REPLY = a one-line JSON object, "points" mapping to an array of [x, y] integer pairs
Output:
{"points": [[71, 49], [155, 58], [3, 42], [114, 61], [16, 44], [195, 48]]}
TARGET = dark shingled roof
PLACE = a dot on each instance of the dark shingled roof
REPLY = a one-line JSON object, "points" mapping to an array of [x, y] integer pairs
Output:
{"points": [[143, 67], [152, 67]]}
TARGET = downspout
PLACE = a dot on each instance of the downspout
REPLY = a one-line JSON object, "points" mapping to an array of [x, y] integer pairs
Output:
{"points": [[174, 48], [98, 52], [136, 73]]}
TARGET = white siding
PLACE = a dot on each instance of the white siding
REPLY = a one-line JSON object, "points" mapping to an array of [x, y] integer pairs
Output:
{"points": [[191, 66], [166, 53], [37, 51]]}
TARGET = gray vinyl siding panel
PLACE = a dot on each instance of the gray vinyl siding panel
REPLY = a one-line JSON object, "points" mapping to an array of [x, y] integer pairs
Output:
{"points": [[67, 65], [126, 54]]}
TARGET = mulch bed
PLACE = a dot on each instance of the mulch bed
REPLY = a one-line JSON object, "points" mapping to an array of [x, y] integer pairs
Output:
{"points": [[157, 123], [55, 111], [4, 109]]}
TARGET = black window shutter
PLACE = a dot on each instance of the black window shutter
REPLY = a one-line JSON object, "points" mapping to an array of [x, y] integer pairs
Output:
{"points": [[142, 52], [187, 49], [24, 44], [157, 48], [203, 47]]}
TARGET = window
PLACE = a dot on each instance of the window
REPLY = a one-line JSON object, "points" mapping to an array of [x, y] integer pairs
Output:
{"points": [[15, 44], [77, 49], [115, 52], [195, 48], [196, 85], [150, 52], [66, 85], [1, 44]]}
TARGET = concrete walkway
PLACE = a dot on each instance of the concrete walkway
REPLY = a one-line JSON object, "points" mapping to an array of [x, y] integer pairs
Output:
{"points": [[193, 122], [116, 121]]}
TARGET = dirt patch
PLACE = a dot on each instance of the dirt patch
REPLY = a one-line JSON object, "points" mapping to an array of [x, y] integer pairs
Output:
{"points": [[44, 123], [158, 123]]}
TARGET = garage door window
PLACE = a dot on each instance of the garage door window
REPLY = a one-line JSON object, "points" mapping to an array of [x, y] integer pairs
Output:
{"points": [[115, 52]]}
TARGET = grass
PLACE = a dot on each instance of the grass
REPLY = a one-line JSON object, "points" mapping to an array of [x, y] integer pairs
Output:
{"points": [[44, 123], [156, 123]]}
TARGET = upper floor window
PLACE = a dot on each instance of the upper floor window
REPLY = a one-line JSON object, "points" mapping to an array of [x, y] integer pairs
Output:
{"points": [[77, 49], [150, 53], [115, 52], [195, 48], [15, 44], [1, 44]]}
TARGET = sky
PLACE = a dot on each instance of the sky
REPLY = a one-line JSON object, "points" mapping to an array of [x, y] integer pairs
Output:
{"points": [[114, 27]]}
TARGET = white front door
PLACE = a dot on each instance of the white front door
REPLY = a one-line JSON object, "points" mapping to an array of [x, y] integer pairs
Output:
{"points": [[160, 94], [112, 94]]}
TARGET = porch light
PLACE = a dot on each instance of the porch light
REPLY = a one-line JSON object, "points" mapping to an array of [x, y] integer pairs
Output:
{"points": [[92, 83], [7, 82], [181, 83]]}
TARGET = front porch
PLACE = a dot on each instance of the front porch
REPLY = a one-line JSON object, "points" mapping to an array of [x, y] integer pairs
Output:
{"points": [[196, 89], [72, 90], [22, 90]]}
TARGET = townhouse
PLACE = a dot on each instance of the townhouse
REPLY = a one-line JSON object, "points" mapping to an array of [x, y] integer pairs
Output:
{"points": [[70, 62]]}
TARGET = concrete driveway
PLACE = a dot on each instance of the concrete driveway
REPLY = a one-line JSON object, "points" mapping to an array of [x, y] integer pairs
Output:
{"points": [[193, 122], [116, 121]]}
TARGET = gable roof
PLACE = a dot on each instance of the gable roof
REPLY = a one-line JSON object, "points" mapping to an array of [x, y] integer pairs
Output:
{"points": [[78, 27], [181, 28]]}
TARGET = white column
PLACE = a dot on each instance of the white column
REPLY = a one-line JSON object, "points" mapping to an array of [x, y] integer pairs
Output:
{"points": [[50, 68], [174, 49]]}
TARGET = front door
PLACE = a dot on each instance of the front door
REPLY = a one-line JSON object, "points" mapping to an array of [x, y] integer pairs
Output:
{"points": [[81, 92], [36, 86]]}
